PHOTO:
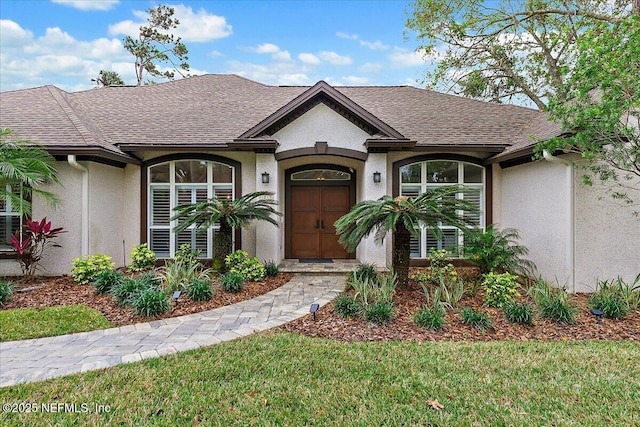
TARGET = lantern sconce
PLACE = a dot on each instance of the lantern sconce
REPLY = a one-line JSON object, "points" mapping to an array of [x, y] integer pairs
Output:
{"points": [[265, 177], [377, 177]]}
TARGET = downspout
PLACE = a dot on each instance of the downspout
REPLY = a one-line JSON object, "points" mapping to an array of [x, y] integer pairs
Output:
{"points": [[84, 227], [571, 217]]}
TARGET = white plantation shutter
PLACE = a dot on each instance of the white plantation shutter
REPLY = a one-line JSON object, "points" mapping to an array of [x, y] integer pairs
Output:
{"points": [[179, 183], [10, 219], [416, 178]]}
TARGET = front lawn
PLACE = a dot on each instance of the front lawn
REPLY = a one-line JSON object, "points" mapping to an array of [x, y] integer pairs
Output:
{"points": [[288, 379], [25, 323]]}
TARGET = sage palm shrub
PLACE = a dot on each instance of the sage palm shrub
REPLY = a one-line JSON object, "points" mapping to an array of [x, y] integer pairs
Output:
{"points": [[494, 250]]}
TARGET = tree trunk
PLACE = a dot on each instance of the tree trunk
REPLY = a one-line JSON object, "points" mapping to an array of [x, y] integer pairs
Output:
{"points": [[223, 242], [401, 254]]}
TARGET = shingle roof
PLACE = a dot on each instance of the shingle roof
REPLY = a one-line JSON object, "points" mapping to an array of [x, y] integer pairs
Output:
{"points": [[214, 110]]}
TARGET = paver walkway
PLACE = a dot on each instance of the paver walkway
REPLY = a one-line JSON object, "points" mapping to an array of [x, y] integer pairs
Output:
{"points": [[41, 358]]}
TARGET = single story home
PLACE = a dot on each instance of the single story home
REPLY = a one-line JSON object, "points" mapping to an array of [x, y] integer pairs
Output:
{"points": [[127, 155]]}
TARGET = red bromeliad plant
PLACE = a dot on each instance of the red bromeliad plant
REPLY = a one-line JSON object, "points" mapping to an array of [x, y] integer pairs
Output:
{"points": [[31, 245]]}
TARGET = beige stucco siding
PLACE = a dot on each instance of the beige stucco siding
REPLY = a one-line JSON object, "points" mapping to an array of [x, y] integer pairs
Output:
{"points": [[534, 201]]}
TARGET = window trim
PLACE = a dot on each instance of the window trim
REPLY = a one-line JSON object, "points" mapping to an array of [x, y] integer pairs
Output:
{"points": [[487, 184], [145, 187]]}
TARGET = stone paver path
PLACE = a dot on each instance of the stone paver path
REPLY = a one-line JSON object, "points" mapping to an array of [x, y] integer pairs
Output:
{"points": [[41, 358]]}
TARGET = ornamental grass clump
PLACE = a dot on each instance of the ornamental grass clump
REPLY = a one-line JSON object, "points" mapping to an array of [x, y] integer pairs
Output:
{"points": [[443, 276], [142, 258], [271, 269], [379, 313], [200, 290], [611, 299], [519, 313], [232, 282], [6, 290], [151, 302], [127, 291], [553, 303], [478, 319], [87, 268], [346, 306], [107, 280], [430, 317]]}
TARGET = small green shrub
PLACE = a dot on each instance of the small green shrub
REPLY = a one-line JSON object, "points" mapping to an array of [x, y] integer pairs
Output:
{"points": [[250, 268], [478, 319], [430, 317], [367, 270], [346, 306], [553, 303], [379, 313], [519, 313], [186, 255], [151, 302], [86, 269], [200, 290], [232, 282], [127, 291], [499, 289], [106, 280], [371, 290], [142, 258], [271, 269], [6, 290]]}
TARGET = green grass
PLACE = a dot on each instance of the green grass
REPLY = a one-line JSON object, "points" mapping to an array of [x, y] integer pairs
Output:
{"points": [[25, 323], [278, 379]]}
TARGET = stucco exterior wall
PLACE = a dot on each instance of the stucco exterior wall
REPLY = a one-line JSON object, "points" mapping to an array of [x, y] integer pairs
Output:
{"points": [[321, 123], [607, 236], [130, 219], [534, 200]]}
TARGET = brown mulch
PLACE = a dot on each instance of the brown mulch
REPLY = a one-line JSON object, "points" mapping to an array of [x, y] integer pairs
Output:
{"points": [[62, 290], [329, 324]]}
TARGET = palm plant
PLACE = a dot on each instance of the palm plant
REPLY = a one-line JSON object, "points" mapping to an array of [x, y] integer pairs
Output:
{"points": [[498, 251], [405, 217], [24, 166], [230, 214]]}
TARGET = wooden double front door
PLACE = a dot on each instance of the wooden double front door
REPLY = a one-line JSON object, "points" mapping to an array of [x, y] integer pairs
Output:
{"points": [[314, 209]]}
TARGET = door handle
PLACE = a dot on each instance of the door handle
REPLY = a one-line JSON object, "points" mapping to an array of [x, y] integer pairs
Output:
{"points": [[317, 224], [322, 223]]}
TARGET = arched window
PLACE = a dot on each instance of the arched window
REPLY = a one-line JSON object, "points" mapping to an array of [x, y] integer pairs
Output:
{"points": [[183, 182], [416, 178]]}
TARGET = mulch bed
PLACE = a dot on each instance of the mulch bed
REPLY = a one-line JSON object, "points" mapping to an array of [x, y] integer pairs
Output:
{"points": [[328, 324], [62, 290]]}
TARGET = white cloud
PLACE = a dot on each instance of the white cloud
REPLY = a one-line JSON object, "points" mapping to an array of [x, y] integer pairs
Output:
{"points": [[371, 67], [347, 36], [267, 48], [376, 45], [356, 80], [275, 74], [88, 4], [309, 58], [200, 26], [402, 58], [12, 34], [282, 56], [334, 59]]}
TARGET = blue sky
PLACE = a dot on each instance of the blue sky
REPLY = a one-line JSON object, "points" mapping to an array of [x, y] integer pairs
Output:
{"points": [[66, 43]]}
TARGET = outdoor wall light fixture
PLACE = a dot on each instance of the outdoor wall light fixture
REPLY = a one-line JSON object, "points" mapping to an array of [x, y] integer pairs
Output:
{"points": [[265, 177], [377, 177], [598, 314], [313, 309]]}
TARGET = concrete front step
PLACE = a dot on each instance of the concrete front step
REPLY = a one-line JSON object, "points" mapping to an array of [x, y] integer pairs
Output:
{"points": [[335, 266]]}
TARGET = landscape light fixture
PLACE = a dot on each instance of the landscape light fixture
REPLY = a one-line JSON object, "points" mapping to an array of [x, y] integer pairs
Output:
{"points": [[265, 177], [377, 177], [176, 295], [313, 309], [598, 314]]}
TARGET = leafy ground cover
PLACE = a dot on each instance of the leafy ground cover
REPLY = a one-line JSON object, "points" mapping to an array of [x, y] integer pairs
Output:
{"points": [[25, 323], [288, 379]]}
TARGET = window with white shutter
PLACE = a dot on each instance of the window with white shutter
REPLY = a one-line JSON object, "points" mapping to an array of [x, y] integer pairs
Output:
{"points": [[10, 219], [184, 182], [418, 177]]}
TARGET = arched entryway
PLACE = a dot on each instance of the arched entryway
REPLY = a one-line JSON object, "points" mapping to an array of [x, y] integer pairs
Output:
{"points": [[316, 196]]}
